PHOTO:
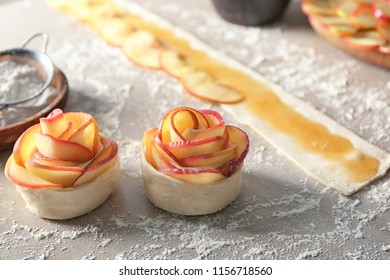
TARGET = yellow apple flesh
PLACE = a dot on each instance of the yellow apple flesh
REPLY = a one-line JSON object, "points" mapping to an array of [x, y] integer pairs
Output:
{"points": [[106, 158], [214, 160], [55, 124], [21, 177], [203, 86], [196, 147], [25, 146], [142, 48], [61, 149], [115, 30], [62, 175], [174, 64]]}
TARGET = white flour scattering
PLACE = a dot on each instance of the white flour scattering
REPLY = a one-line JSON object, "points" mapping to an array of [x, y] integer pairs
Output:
{"points": [[17, 82], [280, 213]]}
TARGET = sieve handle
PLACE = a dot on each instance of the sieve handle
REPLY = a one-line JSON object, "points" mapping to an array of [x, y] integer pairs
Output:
{"points": [[45, 41]]}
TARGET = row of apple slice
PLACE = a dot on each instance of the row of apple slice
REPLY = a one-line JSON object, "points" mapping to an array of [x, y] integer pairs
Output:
{"points": [[141, 47], [362, 24], [63, 150], [195, 146]]}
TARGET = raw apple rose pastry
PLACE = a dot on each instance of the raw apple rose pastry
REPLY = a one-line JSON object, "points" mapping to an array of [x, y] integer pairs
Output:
{"points": [[191, 163], [63, 167]]}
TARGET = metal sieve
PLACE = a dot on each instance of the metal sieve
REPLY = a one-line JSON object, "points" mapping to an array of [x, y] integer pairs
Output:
{"points": [[36, 59]]}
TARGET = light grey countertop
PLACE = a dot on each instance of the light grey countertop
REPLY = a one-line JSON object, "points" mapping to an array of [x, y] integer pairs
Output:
{"points": [[280, 214]]}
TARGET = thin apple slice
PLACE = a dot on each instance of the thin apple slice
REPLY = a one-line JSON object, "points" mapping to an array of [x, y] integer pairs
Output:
{"points": [[365, 40], [164, 151], [174, 64], [164, 130], [213, 117], [109, 150], [61, 149], [82, 9], [99, 13], [68, 131], [236, 137], [190, 133], [115, 30], [87, 135], [216, 123], [383, 29], [180, 120], [25, 145], [197, 77], [333, 20], [147, 141], [214, 131], [363, 17], [54, 124], [143, 49], [106, 158], [77, 120], [196, 147], [318, 8], [346, 9], [211, 160], [159, 159], [337, 25], [385, 49], [203, 86], [382, 10], [195, 175], [21, 177], [39, 158], [341, 30], [155, 151], [62, 175]]}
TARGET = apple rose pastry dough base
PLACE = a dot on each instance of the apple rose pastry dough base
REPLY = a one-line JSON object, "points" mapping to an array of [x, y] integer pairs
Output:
{"points": [[67, 203], [185, 198]]}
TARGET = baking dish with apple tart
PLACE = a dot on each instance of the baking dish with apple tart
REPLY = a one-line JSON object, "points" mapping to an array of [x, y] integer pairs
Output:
{"points": [[358, 27]]}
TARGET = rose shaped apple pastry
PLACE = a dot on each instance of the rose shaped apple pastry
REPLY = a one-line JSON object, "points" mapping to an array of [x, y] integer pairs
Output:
{"points": [[63, 167], [192, 163]]}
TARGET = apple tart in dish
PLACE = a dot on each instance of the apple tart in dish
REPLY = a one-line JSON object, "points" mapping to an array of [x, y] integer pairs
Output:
{"points": [[63, 167], [358, 27], [191, 163]]}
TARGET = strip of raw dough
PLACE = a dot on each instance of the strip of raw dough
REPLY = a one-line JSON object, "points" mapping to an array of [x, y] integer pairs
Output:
{"points": [[329, 172]]}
